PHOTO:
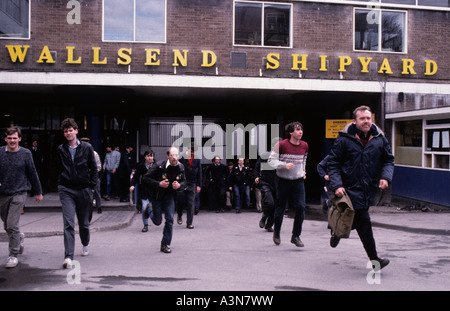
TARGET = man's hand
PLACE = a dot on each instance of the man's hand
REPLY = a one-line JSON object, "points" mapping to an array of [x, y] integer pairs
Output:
{"points": [[176, 185], [339, 192], [164, 183], [38, 197], [383, 184]]}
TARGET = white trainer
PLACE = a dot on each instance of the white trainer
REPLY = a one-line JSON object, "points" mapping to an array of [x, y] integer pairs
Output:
{"points": [[85, 251], [67, 264], [11, 262]]}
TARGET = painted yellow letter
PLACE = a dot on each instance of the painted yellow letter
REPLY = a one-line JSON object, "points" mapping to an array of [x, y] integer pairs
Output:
{"points": [[430, 67], [323, 63], [70, 59], [179, 59], [124, 56], [343, 62], [96, 60], [46, 55], [296, 61], [209, 58], [408, 67], [151, 57], [273, 61], [15, 51], [365, 63], [385, 67]]}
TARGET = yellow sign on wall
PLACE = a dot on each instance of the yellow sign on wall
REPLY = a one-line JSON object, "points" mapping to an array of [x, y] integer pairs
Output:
{"points": [[332, 127]]}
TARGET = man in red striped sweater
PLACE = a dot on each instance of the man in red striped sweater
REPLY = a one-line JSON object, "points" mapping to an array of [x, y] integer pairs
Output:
{"points": [[288, 157]]}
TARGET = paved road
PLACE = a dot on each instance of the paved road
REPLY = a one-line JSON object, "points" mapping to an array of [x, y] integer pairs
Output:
{"points": [[229, 252]]}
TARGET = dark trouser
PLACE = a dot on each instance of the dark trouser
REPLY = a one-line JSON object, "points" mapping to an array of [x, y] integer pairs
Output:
{"points": [[73, 202], [166, 204], [268, 197], [11, 206], [363, 226], [296, 190], [186, 199], [216, 198]]}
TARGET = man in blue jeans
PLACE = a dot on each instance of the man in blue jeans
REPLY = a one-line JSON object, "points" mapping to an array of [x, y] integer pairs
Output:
{"points": [[77, 177], [165, 179]]}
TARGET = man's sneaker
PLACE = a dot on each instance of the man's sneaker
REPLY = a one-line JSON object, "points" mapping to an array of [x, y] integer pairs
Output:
{"points": [[165, 249], [22, 245], [334, 241], [383, 262], [296, 240], [67, 264], [11, 262], [276, 238], [85, 251]]}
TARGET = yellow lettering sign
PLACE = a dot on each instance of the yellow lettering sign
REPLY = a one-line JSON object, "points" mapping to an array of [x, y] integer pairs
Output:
{"points": [[70, 59], [180, 59], [296, 62], [365, 63], [151, 57], [343, 62], [46, 56], [385, 67], [430, 67], [209, 58], [124, 56], [96, 59], [408, 67], [323, 63], [273, 61], [17, 52]]}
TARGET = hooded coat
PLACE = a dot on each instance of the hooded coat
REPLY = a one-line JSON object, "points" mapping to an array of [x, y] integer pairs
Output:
{"points": [[359, 168]]}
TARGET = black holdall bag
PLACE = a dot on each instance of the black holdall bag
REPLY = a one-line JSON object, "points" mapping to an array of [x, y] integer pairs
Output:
{"points": [[340, 216]]}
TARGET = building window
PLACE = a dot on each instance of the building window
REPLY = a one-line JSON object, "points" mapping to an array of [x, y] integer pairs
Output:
{"points": [[14, 19], [379, 30], [134, 20], [262, 24], [437, 144], [408, 143]]}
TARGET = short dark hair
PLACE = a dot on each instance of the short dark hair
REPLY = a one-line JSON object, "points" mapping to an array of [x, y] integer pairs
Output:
{"points": [[360, 108], [289, 128], [69, 123], [13, 129]]}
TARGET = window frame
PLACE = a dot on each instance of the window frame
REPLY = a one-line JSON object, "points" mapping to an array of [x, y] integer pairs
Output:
{"points": [[134, 26], [380, 30], [291, 15], [29, 27]]}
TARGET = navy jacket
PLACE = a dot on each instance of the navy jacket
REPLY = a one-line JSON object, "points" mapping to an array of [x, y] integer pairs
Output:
{"points": [[157, 173], [359, 168], [195, 174]]}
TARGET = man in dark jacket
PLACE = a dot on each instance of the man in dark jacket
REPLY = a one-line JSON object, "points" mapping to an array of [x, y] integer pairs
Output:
{"points": [[165, 178], [193, 171], [240, 184], [77, 177], [360, 163], [216, 176]]}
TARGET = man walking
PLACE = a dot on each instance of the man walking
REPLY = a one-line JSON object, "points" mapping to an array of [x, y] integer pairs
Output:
{"points": [[77, 177], [165, 178], [17, 172], [360, 163], [288, 157]]}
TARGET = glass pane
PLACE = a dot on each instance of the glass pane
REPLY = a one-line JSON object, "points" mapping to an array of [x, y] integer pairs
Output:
{"points": [[441, 161], [248, 23], [151, 20], [393, 25], [410, 2], [408, 143], [276, 25], [440, 3], [118, 20], [14, 16], [366, 30]]}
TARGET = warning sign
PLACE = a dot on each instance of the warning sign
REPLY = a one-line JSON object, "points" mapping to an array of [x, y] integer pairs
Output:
{"points": [[332, 127]]}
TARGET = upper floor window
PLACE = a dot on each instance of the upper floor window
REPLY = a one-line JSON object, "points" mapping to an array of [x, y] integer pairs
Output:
{"points": [[15, 19], [134, 20], [430, 3], [262, 24], [379, 30]]}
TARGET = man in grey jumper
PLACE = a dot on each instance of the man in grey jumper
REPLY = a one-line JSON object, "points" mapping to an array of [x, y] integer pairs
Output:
{"points": [[17, 176]]}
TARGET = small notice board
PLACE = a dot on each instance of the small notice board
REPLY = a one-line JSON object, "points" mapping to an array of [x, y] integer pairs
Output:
{"points": [[332, 127]]}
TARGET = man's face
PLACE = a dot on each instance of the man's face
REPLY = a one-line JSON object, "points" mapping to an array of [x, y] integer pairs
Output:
{"points": [[13, 141], [173, 156], [297, 133], [217, 160], [241, 162], [363, 121], [70, 133]]}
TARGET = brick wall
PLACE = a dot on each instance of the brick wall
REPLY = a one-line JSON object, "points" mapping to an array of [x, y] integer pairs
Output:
{"points": [[196, 25]]}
